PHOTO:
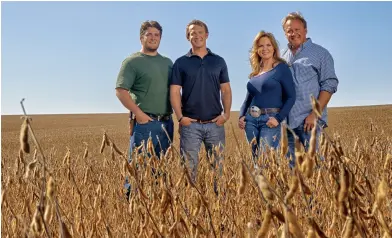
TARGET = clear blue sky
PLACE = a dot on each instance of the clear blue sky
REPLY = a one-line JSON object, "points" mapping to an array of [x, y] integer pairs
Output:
{"points": [[63, 57]]}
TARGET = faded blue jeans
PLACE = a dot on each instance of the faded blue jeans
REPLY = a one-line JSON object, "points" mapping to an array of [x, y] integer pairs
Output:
{"points": [[154, 129], [304, 138], [191, 138], [256, 127], [159, 139]]}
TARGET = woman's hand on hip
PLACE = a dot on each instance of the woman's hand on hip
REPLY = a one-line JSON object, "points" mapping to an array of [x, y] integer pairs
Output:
{"points": [[241, 123], [272, 122]]}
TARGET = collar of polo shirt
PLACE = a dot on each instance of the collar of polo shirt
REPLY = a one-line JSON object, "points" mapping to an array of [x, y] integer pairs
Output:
{"points": [[189, 54]]}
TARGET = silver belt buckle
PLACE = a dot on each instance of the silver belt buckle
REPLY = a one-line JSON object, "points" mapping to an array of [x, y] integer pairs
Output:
{"points": [[254, 111]]}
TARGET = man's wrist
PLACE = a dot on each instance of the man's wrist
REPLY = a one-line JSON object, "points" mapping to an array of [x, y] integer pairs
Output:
{"points": [[226, 116], [180, 118], [138, 112]]}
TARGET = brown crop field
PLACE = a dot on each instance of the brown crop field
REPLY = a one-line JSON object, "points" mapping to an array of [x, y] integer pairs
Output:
{"points": [[346, 195]]}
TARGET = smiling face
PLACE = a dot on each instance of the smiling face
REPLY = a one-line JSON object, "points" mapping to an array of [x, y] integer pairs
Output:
{"points": [[265, 48], [197, 36], [151, 39], [295, 32]]}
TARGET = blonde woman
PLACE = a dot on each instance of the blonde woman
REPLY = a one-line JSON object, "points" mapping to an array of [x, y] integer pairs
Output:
{"points": [[270, 94]]}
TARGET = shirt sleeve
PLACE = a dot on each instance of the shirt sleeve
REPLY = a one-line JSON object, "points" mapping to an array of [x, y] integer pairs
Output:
{"points": [[245, 104], [127, 75], [176, 78], [288, 91], [328, 80], [224, 75]]}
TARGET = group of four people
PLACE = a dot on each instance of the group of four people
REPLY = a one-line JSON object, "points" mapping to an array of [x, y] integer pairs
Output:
{"points": [[196, 86]]}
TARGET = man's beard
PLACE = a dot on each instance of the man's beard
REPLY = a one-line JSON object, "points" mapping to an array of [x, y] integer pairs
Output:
{"points": [[150, 49]]}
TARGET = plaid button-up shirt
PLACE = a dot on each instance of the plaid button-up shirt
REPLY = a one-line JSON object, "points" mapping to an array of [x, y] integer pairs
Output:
{"points": [[313, 71]]}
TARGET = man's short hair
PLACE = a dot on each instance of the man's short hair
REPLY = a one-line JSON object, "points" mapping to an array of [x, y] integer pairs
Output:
{"points": [[294, 16], [195, 22], [145, 25]]}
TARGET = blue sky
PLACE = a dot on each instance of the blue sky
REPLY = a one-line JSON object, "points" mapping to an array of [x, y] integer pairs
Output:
{"points": [[64, 57]]}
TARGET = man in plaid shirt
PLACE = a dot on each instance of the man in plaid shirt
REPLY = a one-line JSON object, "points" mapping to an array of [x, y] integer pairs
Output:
{"points": [[314, 74]]}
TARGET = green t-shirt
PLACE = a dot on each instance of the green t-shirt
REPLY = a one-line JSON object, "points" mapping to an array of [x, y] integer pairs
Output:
{"points": [[147, 79]]}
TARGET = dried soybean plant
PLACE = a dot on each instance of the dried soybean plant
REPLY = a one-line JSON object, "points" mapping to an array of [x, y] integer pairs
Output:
{"points": [[340, 188]]}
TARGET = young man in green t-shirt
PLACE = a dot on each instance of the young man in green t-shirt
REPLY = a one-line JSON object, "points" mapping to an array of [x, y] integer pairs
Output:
{"points": [[145, 76]]}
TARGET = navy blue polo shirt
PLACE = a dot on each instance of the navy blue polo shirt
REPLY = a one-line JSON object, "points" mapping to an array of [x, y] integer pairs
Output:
{"points": [[200, 79]]}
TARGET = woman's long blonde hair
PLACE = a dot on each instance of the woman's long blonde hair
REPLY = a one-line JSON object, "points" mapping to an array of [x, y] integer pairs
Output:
{"points": [[255, 59]]}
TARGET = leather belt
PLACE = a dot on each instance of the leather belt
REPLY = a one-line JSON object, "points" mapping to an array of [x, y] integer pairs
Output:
{"points": [[164, 117], [203, 122], [255, 111]]}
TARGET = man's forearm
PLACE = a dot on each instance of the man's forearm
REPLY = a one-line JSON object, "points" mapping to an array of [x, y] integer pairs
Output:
{"points": [[127, 101], [324, 98], [226, 101], [175, 100]]}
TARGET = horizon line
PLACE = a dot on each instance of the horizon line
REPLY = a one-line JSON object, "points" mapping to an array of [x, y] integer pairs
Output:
{"points": [[97, 113]]}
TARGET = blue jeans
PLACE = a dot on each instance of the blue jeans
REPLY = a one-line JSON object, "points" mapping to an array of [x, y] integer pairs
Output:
{"points": [[256, 127], [154, 129], [304, 138], [191, 138], [142, 132]]}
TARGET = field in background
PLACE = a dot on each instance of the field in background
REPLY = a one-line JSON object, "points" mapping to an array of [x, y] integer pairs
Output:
{"points": [[60, 131], [112, 216]]}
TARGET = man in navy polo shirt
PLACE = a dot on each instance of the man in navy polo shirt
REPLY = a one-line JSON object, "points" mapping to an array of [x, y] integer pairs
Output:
{"points": [[202, 76]]}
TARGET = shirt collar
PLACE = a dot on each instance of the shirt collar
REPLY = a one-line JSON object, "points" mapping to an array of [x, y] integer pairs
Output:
{"points": [[209, 52], [307, 43]]}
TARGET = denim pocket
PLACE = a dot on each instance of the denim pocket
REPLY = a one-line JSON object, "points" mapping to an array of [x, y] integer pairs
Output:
{"points": [[219, 125], [187, 125], [249, 117], [142, 124], [301, 129], [185, 128], [144, 128], [246, 116]]}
